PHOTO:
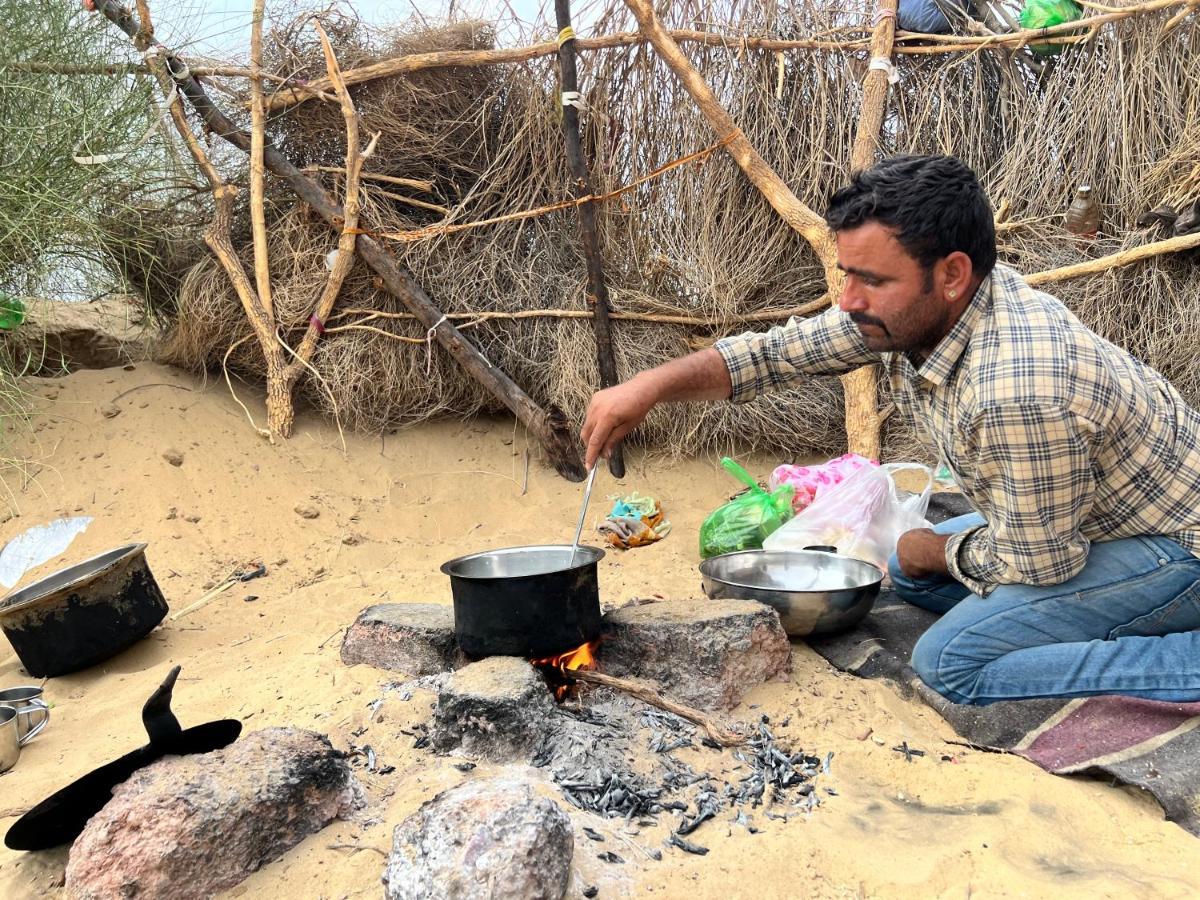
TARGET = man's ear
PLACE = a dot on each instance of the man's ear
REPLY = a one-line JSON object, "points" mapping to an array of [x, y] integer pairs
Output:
{"points": [[957, 274]]}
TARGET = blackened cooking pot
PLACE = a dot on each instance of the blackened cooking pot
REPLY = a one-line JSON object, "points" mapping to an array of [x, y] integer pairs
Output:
{"points": [[84, 614], [532, 602]]}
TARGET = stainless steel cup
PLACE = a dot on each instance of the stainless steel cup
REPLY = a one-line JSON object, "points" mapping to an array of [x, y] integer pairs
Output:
{"points": [[32, 712], [10, 744]]}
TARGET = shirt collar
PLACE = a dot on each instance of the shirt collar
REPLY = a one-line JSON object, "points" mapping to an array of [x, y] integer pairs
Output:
{"points": [[939, 365]]}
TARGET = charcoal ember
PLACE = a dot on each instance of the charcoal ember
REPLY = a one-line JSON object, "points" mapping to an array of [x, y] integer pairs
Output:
{"points": [[909, 752], [574, 744], [587, 716], [704, 653], [777, 770], [663, 744], [687, 846], [194, 826], [485, 838], [662, 720], [610, 794], [415, 638], [742, 819], [498, 709], [708, 805]]}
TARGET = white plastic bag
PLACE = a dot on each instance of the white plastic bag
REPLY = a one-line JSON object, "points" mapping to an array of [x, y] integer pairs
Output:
{"points": [[863, 516], [37, 545]]}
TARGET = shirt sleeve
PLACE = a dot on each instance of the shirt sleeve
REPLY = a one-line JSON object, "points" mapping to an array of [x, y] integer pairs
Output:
{"points": [[1035, 479], [828, 344]]}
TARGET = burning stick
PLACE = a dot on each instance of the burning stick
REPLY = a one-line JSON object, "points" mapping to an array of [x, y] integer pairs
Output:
{"points": [[647, 694]]}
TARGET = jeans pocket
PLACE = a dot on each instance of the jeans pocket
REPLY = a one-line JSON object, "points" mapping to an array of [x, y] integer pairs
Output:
{"points": [[1182, 613]]}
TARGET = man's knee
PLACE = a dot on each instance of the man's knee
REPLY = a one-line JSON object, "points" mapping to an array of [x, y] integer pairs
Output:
{"points": [[942, 667]]}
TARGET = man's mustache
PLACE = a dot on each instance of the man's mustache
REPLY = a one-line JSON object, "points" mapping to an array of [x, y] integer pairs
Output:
{"points": [[859, 318]]}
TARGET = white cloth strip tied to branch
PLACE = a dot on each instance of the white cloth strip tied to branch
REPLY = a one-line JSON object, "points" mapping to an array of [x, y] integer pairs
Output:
{"points": [[429, 335], [575, 99], [160, 50], [883, 64]]}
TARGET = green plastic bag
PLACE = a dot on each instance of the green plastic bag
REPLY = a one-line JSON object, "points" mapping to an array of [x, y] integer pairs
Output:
{"points": [[1045, 13], [12, 312], [745, 521]]}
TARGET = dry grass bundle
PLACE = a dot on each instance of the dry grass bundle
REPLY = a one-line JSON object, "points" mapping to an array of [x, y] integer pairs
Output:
{"points": [[699, 241]]}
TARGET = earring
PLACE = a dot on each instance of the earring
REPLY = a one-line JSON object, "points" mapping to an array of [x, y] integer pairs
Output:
{"points": [[953, 294]]}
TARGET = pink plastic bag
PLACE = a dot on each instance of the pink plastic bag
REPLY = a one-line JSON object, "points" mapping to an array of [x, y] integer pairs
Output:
{"points": [[810, 481], [863, 516]]}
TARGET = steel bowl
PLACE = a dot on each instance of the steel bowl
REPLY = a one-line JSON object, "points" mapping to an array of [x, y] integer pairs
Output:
{"points": [[813, 591]]}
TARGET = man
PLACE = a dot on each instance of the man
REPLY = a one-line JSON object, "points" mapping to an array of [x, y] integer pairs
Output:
{"points": [[1078, 575]]}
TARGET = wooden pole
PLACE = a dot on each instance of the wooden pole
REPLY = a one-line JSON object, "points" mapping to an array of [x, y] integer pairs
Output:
{"points": [[863, 423], [549, 427], [581, 186], [862, 419], [141, 31], [355, 157], [932, 44], [258, 126], [1115, 260]]}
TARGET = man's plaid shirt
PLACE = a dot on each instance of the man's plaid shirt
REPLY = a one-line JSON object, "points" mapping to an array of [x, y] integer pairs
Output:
{"points": [[1056, 436]]}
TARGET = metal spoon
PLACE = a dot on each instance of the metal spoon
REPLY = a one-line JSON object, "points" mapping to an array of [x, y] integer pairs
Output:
{"points": [[587, 494]]}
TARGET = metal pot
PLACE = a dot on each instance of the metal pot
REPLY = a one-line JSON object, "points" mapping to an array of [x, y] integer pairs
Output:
{"points": [[814, 591], [84, 614], [531, 602]]}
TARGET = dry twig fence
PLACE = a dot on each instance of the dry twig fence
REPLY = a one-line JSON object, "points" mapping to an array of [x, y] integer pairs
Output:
{"points": [[549, 426]]}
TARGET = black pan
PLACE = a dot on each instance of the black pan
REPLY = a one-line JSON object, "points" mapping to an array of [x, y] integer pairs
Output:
{"points": [[61, 817]]}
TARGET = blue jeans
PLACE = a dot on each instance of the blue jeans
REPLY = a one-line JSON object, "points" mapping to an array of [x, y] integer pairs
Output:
{"points": [[1126, 624]]}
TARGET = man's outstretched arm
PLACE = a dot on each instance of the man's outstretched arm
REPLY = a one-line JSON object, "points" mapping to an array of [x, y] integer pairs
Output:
{"points": [[616, 411]]}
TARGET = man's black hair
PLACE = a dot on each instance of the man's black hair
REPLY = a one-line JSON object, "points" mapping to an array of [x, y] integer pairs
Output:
{"points": [[934, 203]]}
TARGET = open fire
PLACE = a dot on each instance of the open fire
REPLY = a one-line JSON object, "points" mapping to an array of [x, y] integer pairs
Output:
{"points": [[556, 667]]}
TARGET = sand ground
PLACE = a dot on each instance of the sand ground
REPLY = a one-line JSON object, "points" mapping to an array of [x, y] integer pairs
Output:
{"points": [[955, 823]]}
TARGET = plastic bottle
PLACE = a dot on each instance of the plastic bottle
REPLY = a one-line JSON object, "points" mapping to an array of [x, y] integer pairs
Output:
{"points": [[1083, 215]]}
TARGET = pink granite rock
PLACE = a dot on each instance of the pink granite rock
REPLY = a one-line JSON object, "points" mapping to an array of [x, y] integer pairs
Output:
{"points": [[705, 653], [494, 838], [191, 826], [414, 638]]}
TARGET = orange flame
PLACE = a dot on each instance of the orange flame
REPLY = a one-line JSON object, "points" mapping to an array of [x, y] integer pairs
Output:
{"points": [[581, 657]]}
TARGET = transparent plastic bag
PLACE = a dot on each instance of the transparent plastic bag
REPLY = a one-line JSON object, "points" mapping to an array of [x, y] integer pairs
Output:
{"points": [[743, 522], [812, 481], [38, 544], [863, 517]]}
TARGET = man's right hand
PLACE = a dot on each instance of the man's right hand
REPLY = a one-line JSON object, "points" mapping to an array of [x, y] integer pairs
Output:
{"points": [[616, 411], [612, 414]]}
